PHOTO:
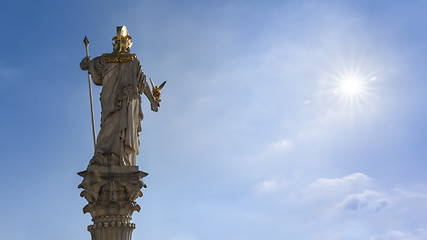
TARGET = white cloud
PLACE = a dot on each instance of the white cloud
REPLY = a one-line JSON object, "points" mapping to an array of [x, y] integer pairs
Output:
{"points": [[282, 145], [338, 182], [9, 72], [418, 234], [183, 237], [267, 186], [369, 200], [410, 194], [205, 101]]}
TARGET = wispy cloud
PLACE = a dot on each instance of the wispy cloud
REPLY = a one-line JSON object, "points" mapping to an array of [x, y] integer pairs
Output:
{"points": [[418, 234], [8, 73], [281, 145], [410, 194], [182, 237], [354, 178], [267, 186]]}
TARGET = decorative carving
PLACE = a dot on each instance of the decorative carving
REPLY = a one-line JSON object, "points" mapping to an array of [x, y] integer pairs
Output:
{"points": [[118, 58], [111, 193]]}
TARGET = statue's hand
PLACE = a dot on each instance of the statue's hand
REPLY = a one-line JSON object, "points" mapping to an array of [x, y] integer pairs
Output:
{"points": [[155, 105], [84, 64]]}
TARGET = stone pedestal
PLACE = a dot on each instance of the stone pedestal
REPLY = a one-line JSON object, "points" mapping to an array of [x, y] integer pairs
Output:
{"points": [[111, 193]]}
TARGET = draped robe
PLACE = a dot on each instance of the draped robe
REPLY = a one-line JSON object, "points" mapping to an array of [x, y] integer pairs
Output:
{"points": [[122, 86]]}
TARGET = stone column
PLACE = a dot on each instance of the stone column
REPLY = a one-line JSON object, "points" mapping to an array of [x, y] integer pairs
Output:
{"points": [[111, 193]]}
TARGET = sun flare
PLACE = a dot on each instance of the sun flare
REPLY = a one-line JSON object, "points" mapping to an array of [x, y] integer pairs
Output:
{"points": [[351, 87]]}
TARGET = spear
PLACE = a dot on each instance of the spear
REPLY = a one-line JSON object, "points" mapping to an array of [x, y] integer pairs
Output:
{"points": [[86, 42]]}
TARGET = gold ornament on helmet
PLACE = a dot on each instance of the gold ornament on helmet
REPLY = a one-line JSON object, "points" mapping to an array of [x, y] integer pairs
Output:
{"points": [[121, 47]]}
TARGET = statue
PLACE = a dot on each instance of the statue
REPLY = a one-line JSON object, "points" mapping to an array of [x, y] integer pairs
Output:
{"points": [[123, 81], [112, 181]]}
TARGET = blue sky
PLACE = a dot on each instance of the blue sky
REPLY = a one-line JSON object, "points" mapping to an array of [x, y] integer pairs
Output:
{"points": [[257, 137]]}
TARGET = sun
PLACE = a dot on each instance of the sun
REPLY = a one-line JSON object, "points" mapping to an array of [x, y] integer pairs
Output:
{"points": [[352, 87], [352, 84]]}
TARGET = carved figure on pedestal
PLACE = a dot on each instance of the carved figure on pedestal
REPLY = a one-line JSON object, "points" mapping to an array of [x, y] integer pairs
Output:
{"points": [[123, 81], [112, 182]]}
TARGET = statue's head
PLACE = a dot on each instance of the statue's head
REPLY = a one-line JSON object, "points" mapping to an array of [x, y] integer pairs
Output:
{"points": [[122, 43]]}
